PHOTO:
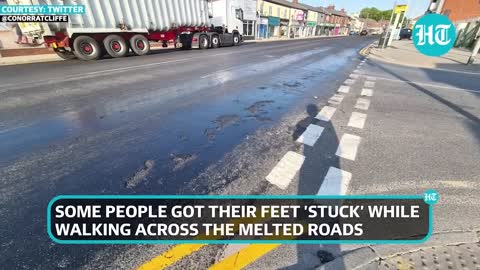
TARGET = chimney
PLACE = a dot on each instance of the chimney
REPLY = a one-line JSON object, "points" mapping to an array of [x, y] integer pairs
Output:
{"points": [[295, 1], [331, 7]]}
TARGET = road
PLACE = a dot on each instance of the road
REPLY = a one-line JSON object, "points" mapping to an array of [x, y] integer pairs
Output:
{"points": [[218, 122]]}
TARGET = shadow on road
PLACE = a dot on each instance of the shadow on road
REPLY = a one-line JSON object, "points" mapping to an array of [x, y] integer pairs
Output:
{"points": [[318, 160]]}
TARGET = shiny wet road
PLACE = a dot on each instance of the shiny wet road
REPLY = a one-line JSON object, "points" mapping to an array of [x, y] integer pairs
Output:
{"points": [[159, 124]]}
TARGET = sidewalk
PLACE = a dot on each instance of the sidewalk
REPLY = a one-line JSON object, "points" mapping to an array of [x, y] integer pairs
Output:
{"points": [[403, 52], [447, 250]]}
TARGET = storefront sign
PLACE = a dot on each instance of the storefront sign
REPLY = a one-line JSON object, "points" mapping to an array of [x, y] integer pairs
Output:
{"points": [[311, 24], [400, 8], [275, 21], [300, 15]]}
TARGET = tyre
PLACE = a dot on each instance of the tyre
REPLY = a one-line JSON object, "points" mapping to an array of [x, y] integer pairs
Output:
{"points": [[86, 48], [140, 44], [236, 39], [215, 42], [115, 46], [203, 42], [65, 54]]}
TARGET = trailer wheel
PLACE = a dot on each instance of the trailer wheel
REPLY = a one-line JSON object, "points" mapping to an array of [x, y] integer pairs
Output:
{"points": [[86, 48], [203, 42], [139, 44], [115, 46], [236, 39], [67, 55], [215, 41]]}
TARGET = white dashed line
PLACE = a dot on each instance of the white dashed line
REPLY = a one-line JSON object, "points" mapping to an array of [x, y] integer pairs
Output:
{"points": [[326, 114], [336, 182], [311, 135], [354, 76], [336, 99], [286, 169], [344, 89], [349, 82], [370, 78], [362, 104], [358, 71], [369, 84], [348, 146], [367, 92], [357, 120]]}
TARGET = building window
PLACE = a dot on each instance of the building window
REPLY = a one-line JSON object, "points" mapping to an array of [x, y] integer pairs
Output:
{"points": [[270, 12], [248, 27]]}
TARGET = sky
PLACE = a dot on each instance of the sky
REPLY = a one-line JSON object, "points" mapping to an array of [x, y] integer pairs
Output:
{"points": [[417, 7]]}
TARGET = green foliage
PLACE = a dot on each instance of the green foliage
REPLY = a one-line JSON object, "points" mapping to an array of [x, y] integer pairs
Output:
{"points": [[375, 14]]}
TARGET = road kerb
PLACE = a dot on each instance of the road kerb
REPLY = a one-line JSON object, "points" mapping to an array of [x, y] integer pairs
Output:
{"points": [[364, 257]]}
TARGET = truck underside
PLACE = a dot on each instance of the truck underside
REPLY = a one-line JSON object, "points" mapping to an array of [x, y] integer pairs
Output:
{"points": [[92, 46]]}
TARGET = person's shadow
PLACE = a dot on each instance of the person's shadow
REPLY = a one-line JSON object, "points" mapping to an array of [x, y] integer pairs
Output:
{"points": [[318, 160]]}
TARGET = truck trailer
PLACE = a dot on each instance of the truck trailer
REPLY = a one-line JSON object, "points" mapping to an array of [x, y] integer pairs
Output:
{"points": [[116, 27]]}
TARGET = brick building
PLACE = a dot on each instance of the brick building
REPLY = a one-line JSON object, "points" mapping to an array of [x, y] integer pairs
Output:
{"points": [[465, 14]]}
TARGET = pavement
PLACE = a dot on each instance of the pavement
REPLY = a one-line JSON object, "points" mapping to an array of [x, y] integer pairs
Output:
{"points": [[219, 122], [403, 52]]}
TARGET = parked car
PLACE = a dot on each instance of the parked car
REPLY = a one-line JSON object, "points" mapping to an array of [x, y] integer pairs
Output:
{"points": [[405, 33], [364, 33]]}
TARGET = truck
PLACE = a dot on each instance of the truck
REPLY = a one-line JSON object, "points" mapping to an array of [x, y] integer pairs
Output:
{"points": [[116, 28]]}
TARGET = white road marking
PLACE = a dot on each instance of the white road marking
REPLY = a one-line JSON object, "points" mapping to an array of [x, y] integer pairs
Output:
{"points": [[354, 76], [217, 72], [370, 78], [286, 169], [358, 71], [367, 92], [336, 99], [311, 135], [362, 104], [344, 89], [336, 182], [357, 120], [349, 82], [369, 84], [429, 85], [348, 146], [326, 113]]}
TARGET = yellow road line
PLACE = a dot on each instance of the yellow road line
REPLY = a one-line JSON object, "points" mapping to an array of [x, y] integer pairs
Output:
{"points": [[178, 252], [171, 256], [244, 257]]}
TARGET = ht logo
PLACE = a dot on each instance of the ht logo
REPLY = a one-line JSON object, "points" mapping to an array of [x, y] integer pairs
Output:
{"points": [[434, 35]]}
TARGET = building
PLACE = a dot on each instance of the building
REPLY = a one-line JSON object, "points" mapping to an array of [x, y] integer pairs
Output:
{"points": [[465, 14], [273, 18], [249, 8], [340, 21]]}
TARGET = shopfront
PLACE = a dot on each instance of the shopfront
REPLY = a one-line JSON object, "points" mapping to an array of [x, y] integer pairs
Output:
{"points": [[273, 27], [310, 28], [297, 24], [262, 30]]}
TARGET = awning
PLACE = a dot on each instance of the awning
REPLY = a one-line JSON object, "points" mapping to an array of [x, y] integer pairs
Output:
{"points": [[275, 21]]}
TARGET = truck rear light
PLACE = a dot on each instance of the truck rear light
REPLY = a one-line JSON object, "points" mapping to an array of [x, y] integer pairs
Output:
{"points": [[195, 39]]}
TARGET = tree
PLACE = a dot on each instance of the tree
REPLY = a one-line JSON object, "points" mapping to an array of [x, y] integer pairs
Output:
{"points": [[375, 14]]}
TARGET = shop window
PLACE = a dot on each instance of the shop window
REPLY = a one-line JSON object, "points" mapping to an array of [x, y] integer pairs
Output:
{"points": [[248, 27]]}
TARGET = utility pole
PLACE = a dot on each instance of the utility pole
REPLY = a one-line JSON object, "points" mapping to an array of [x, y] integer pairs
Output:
{"points": [[389, 25]]}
